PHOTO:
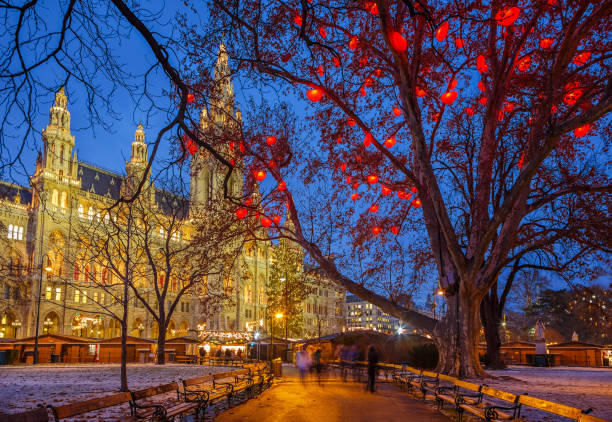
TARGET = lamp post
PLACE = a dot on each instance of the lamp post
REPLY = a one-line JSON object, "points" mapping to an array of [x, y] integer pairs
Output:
{"points": [[277, 316], [284, 280], [48, 269]]}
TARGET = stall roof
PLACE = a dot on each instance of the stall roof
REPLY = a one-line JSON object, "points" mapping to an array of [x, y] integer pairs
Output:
{"points": [[576, 344], [130, 340], [181, 340], [54, 338]]}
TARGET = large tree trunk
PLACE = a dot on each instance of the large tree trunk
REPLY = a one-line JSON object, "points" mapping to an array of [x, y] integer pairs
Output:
{"points": [[456, 337], [124, 328], [491, 318], [161, 344]]}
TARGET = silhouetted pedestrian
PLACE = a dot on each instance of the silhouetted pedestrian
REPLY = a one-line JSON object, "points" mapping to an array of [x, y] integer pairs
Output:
{"points": [[372, 367]]}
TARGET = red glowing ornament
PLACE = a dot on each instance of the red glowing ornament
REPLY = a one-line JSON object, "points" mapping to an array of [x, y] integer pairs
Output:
{"points": [[581, 131], [420, 92], [347, 179], [353, 43], [442, 31], [371, 7], [372, 179], [582, 58], [448, 97], [276, 219], [459, 43], [398, 42], [483, 100], [452, 84], [320, 70], [355, 196], [481, 64], [416, 203], [298, 20], [508, 107], [507, 16], [336, 61], [192, 147], [546, 43], [369, 82], [397, 111], [524, 64], [376, 230], [241, 213], [356, 185], [367, 141], [572, 97], [481, 86], [314, 94], [414, 189], [271, 140], [323, 32], [260, 175], [190, 98], [390, 142], [394, 230], [282, 186], [374, 208], [385, 191], [266, 222], [350, 121], [343, 167], [469, 111], [521, 161], [248, 202], [362, 92], [272, 164]]}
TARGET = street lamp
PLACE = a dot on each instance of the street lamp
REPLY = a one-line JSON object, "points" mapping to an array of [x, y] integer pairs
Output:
{"points": [[277, 316], [48, 268]]}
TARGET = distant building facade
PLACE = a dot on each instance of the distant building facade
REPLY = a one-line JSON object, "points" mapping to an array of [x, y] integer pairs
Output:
{"points": [[324, 309], [362, 315]]}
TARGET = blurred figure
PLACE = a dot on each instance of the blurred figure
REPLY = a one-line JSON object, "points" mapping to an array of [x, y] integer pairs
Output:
{"points": [[317, 364], [344, 355], [372, 367], [303, 361], [352, 358]]}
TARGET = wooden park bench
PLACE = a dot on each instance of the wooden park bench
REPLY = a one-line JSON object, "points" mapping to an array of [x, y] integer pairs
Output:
{"points": [[140, 410], [38, 414], [78, 408]]}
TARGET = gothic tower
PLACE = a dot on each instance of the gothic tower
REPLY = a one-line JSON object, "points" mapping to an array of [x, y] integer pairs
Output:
{"points": [[135, 168], [58, 141], [207, 175]]}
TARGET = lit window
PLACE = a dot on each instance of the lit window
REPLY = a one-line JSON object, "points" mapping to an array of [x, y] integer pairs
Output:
{"points": [[95, 298], [10, 231], [81, 210], [20, 233], [83, 296], [48, 293], [58, 293], [90, 213], [77, 296]]}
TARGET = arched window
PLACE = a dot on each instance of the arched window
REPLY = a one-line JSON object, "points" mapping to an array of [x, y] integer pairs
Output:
{"points": [[76, 271], [62, 156], [81, 210], [90, 213], [162, 280], [93, 273], [64, 200], [10, 231], [104, 275], [174, 284], [55, 197], [20, 236], [87, 273]]}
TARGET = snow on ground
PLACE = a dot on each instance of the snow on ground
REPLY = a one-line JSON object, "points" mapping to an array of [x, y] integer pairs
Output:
{"points": [[577, 387], [23, 387]]}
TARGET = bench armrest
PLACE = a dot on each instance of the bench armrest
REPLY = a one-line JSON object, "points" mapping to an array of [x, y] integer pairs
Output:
{"points": [[460, 398], [491, 411], [201, 395], [159, 412], [446, 388], [227, 386]]}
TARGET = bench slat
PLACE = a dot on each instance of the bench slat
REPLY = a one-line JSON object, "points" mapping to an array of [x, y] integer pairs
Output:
{"points": [[199, 380], [72, 409], [467, 385], [154, 391], [35, 415], [551, 407], [498, 394]]}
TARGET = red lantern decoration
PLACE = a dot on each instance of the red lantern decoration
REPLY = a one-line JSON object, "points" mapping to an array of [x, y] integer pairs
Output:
{"points": [[416, 203], [323, 32], [353, 43], [582, 58], [362, 92], [348, 179], [448, 97], [374, 208], [298, 20], [260, 175], [320, 70], [372, 179], [372, 7], [241, 213], [394, 230], [271, 140], [282, 186], [546, 43], [192, 147], [524, 63], [508, 107], [367, 141], [483, 100], [350, 121], [398, 42], [397, 111], [385, 191], [452, 84], [336, 61], [355, 196], [276, 219], [581, 131], [314, 94], [266, 222], [521, 161], [481, 86], [356, 185], [507, 16], [459, 43], [343, 167], [376, 230], [572, 97], [190, 98], [420, 92], [248, 202], [469, 111], [390, 142], [442, 31]]}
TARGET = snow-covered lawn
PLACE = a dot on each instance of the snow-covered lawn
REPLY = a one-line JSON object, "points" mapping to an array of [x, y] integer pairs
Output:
{"points": [[23, 387], [577, 387]]}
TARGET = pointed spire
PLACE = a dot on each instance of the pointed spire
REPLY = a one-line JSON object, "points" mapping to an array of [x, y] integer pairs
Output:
{"points": [[59, 116], [139, 135], [61, 100]]}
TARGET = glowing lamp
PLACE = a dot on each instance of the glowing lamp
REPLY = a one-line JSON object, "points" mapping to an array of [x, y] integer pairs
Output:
{"points": [[350, 121], [248, 202], [353, 43], [266, 222], [298, 20], [483, 100], [279, 315], [190, 98], [314, 94], [508, 107], [397, 111], [394, 230], [323, 32], [348, 179], [524, 64], [192, 147], [581, 131], [260, 175], [376, 230], [282, 186], [546, 43], [448, 97], [452, 84], [582, 58], [459, 43], [276, 219], [420, 92], [356, 185], [442, 31], [374, 208], [271, 140], [481, 64], [469, 111], [343, 167], [572, 97], [416, 203], [367, 140], [355, 196], [481, 86], [398, 42], [507, 16], [414, 189], [385, 191], [241, 213], [390, 142], [372, 179]]}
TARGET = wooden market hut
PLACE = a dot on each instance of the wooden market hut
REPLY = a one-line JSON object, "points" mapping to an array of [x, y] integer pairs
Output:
{"points": [[138, 350], [577, 353], [55, 348], [182, 347], [515, 352]]}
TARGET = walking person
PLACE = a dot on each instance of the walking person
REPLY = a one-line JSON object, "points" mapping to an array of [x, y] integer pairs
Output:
{"points": [[372, 367], [303, 361], [318, 365]]}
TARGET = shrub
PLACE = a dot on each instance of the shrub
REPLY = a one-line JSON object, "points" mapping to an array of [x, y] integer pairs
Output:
{"points": [[424, 356]]}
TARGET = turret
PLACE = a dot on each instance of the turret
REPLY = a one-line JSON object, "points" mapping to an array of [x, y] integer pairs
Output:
{"points": [[137, 165], [58, 142]]}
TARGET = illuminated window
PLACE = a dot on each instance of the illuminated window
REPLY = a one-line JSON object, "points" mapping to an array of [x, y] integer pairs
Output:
{"points": [[77, 296], [48, 293], [58, 293]]}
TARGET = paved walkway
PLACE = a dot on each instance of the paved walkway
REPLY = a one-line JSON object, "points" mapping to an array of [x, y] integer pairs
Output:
{"points": [[334, 400]]}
